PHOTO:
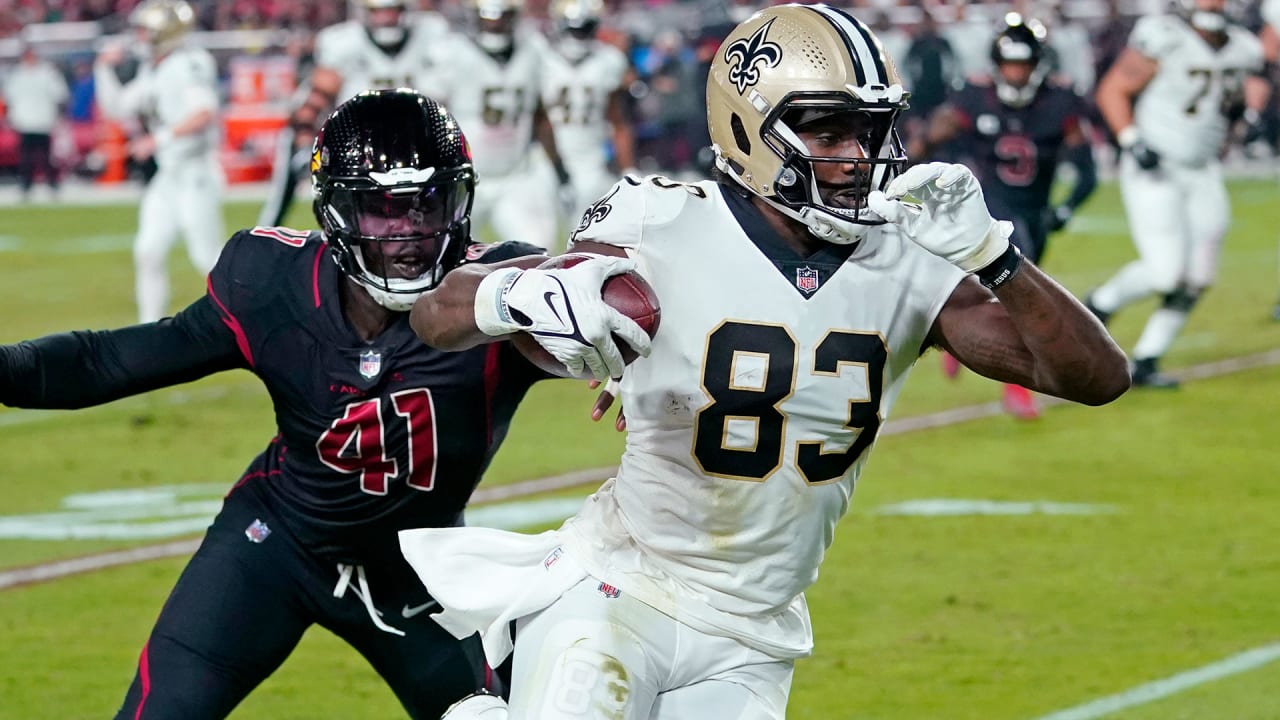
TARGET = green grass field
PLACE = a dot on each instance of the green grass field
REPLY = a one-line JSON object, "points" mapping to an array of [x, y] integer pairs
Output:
{"points": [[1171, 564]]}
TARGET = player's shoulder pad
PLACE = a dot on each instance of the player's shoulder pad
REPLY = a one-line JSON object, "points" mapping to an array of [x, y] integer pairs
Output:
{"points": [[1157, 36], [429, 23], [1250, 45], [486, 253], [633, 204], [257, 262]]}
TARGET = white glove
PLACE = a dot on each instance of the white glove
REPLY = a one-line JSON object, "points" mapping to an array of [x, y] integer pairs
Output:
{"points": [[947, 214], [564, 311]]}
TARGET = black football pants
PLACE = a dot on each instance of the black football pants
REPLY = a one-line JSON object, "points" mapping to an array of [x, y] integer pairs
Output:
{"points": [[240, 607]]}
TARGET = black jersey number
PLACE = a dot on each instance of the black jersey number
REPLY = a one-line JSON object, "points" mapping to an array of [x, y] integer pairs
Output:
{"points": [[356, 442], [749, 370]]}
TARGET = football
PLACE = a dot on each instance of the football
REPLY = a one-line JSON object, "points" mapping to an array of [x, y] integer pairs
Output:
{"points": [[628, 293]]}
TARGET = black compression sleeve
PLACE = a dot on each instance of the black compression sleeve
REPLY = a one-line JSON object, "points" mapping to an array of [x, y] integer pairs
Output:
{"points": [[83, 368]]}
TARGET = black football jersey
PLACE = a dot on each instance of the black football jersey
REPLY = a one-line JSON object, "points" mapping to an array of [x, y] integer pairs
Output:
{"points": [[375, 436], [1015, 151]]}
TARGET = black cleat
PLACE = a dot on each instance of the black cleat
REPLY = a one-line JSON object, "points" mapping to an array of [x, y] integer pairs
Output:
{"points": [[1145, 374], [1103, 317]]}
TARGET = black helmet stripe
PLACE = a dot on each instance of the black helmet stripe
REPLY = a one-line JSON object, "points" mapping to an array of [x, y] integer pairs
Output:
{"points": [[864, 52]]}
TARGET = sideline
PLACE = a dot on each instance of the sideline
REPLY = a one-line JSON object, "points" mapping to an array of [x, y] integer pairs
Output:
{"points": [[44, 572]]}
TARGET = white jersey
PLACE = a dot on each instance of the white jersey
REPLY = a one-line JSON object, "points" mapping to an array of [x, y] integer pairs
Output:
{"points": [[163, 95], [750, 422], [1181, 112], [1271, 13], [492, 101], [576, 95], [348, 49]]}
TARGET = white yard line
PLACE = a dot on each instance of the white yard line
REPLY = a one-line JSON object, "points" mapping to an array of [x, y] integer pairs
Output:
{"points": [[62, 568], [1243, 662]]}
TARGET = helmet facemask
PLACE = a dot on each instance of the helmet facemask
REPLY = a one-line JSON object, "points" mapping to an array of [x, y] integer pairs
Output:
{"points": [[835, 150], [397, 239], [386, 21]]}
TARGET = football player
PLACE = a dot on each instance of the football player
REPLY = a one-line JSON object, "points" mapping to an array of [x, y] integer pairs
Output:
{"points": [[1170, 99], [495, 91], [584, 91], [384, 46], [377, 432], [1015, 128], [678, 590], [1271, 49], [175, 96]]}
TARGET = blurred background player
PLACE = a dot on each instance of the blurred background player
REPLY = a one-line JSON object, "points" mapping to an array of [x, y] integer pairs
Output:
{"points": [[493, 87], [175, 95], [1271, 50], [1170, 99], [383, 46], [1014, 128], [584, 91], [34, 95]]}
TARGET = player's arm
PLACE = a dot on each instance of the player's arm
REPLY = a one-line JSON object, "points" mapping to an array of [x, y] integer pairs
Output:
{"points": [[1032, 332], [84, 368], [946, 123], [1116, 94], [322, 91], [624, 140], [545, 135], [1078, 152], [116, 100]]}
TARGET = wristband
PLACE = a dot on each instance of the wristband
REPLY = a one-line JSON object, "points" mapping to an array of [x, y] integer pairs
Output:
{"points": [[492, 316], [1002, 269]]}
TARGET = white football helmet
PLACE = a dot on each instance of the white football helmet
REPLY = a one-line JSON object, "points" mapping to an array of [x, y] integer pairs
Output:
{"points": [[495, 23], [384, 20], [1211, 16], [576, 22], [788, 65]]}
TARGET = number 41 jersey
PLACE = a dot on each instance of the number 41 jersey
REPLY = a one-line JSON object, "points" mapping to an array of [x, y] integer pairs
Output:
{"points": [[750, 421]]}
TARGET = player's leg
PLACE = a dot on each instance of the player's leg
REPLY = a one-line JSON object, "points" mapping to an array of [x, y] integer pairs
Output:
{"points": [[427, 668], [200, 203], [1154, 205], [593, 653], [1208, 217], [157, 229], [488, 195], [231, 620], [27, 151], [285, 173], [755, 691]]}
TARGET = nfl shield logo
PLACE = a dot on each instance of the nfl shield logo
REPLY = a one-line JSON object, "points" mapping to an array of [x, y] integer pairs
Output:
{"points": [[370, 363], [257, 531], [806, 279], [609, 591]]}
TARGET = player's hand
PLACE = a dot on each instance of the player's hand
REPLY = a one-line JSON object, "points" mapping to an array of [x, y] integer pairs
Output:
{"points": [[564, 311], [1131, 142], [1055, 218], [141, 148], [112, 54], [604, 401], [940, 207]]}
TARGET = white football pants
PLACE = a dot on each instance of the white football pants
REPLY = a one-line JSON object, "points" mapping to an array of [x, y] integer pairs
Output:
{"points": [[598, 653], [186, 198], [518, 206], [1178, 217]]}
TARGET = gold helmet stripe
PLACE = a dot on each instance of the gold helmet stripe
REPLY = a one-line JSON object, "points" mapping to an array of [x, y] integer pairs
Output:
{"points": [[864, 52]]}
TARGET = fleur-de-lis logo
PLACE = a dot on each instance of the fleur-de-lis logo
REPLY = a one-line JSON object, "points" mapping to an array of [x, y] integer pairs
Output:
{"points": [[594, 214], [744, 56]]}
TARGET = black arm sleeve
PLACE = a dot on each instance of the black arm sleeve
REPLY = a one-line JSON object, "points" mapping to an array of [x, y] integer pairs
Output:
{"points": [[84, 368], [1081, 156]]}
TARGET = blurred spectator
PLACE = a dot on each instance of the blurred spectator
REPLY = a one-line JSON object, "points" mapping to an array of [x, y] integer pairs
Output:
{"points": [[895, 40], [928, 69], [35, 93], [676, 99], [81, 106]]}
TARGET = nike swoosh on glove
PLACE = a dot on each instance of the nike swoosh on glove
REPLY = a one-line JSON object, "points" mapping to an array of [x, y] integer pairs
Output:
{"points": [[564, 311], [940, 207]]}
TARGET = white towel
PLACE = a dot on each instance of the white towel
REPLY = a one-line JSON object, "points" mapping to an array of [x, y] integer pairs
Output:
{"points": [[484, 578]]}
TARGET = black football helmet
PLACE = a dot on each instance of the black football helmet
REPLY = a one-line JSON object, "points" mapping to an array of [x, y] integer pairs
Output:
{"points": [[392, 183], [1021, 41]]}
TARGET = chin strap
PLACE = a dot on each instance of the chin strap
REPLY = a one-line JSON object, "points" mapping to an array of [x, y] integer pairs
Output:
{"points": [[823, 226]]}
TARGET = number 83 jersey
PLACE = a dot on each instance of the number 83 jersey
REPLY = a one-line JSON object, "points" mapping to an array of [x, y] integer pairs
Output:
{"points": [[749, 423]]}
